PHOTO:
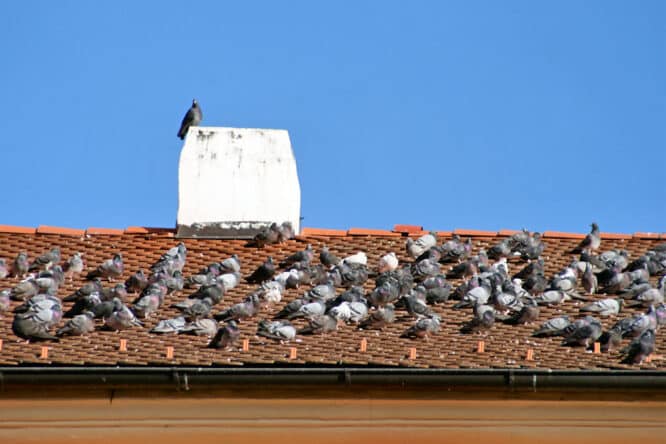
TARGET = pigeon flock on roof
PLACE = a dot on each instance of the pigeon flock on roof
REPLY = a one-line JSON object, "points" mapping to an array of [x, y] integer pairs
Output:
{"points": [[336, 292]]}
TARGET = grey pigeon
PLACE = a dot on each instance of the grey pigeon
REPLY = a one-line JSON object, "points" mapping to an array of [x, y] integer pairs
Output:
{"points": [[477, 295], [386, 293], [109, 269], [320, 324], [604, 307], [291, 308], [201, 327], [46, 260], [322, 292], [240, 311], [423, 328], [122, 319], [137, 282], [21, 265], [192, 117], [174, 325], [4, 271], [484, 319], [591, 242], [415, 302], [214, 291], [583, 332], [79, 325], [105, 309], [199, 280], [278, 330], [285, 232], [263, 273], [589, 280], [349, 311], [309, 310], [552, 327], [424, 269], [455, 249], [194, 309], [639, 348], [4, 300], [438, 289], [226, 336], [117, 291], [552, 297], [29, 326], [305, 255], [230, 265], [416, 248], [651, 296], [86, 303], [500, 249], [327, 258], [147, 305], [528, 314], [74, 265], [24, 290], [610, 340], [379, 318], [267, 236]]}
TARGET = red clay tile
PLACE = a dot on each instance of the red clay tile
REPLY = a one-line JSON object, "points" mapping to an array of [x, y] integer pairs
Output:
{"points": [[444, 234], [16, 229], [46, 229], [505, 232], [615, 236], [479, 233], [563, 235], [149, 230], [322, 232], [407, 228], [640, 235], [105, 231], [370, 232]]}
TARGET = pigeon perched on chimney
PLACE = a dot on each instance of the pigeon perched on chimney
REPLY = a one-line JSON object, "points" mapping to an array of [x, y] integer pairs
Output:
{"points": [[192, 118]]}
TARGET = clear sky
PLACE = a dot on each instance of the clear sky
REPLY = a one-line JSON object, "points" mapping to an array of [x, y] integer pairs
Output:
{"points": [[446, 114]]}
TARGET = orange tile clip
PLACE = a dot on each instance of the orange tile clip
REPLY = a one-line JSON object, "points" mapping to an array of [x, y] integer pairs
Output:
{"points": [[412, 353], [597, 348], [45, 353], [246, 345], [123, 345], [169, 352], [648, 358], [364, 346], [293, 352], [481, 347], [530, 355], [0, 344]]}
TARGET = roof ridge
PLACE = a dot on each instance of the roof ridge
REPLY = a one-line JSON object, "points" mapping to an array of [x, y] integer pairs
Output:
{"points": [[398, 230]]}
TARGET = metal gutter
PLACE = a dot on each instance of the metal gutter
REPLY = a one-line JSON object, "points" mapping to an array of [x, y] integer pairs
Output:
{"points": [[508, 380]]}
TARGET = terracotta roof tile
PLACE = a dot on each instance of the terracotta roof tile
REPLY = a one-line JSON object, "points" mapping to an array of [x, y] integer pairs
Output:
{"points": [[105, 231], [562, 235], [46, 229], [640, 235], [407, 229], [505, 346], [479, 233], [15, 229], [322, 232], [370, 232]]}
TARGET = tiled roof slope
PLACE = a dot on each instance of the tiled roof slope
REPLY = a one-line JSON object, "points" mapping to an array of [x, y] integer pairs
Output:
{"points": [[505, 346]]}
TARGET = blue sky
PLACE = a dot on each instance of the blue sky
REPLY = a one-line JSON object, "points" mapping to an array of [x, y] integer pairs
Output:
{"points": [[466, 114]]}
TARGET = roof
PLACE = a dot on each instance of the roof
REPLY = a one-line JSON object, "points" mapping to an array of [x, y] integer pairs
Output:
{"points": [[504, 346]]}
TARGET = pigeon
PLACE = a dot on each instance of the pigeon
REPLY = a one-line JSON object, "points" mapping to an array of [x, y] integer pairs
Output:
{"points": [[438, 289], [74, 265], [174, 325], [226, 336], [46, 260], [386, 293], [24, 290], [4, 300], [79, 325], [230, 265], [639, 349], [240, 311], [484, 319], [589, 280], [359, 258], [147, 304], [109, 269], [415, 302], [455, 249], [21, 265], [534, 267], [320, 324], [502, 249], [263, 273], [194, 309], [278, 330], [29, 326], [214, 291], [651, 296], [122, 319], [304, 256], [388, 262], [477, 295], [552, 327], [4, 271], [86, 303], [192, 117], [286, 232], [349, 311], [291, 308], [175, 282], [309, 310], [591, 242], [199, 280], [552, 297], [379, 318], [528, 314], [348, 274], [137, 282], [423, 328], [610, 340], [424, 269], [416, 248], [271, 292], [322, 292], [582, 332], [267, 236], [604, 307], [201, 327], [327, 258]]}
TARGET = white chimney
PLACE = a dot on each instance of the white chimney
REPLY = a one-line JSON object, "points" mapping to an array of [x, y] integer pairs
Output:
{"points": [[234, 181]]}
